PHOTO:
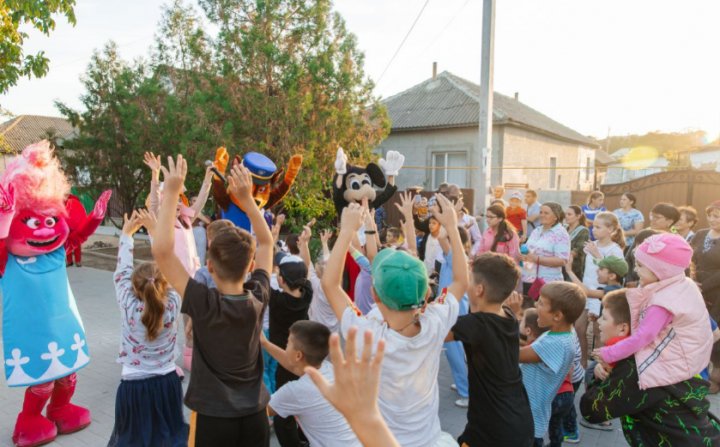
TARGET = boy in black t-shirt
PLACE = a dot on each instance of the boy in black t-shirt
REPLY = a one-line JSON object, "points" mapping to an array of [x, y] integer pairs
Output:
{"points": [[226, 391], [287, 306], [499, 411]]}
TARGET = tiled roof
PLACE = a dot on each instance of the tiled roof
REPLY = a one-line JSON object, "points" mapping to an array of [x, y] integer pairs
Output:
{"points": [[451, 101], [24, 130]]}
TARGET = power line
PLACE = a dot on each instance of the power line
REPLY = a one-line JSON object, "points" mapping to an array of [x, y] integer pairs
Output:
{"points": [[447, 25], [403, 41]]}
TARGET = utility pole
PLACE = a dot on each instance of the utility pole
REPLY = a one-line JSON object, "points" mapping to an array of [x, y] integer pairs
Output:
{"points": [[482, 157]]}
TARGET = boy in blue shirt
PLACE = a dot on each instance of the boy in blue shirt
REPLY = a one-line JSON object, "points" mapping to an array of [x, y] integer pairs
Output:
{"points": [[546, 362]]}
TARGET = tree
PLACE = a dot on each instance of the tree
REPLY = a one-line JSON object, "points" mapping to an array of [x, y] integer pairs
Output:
{"points": [[280, 77], [120, 121], [38, 14]]}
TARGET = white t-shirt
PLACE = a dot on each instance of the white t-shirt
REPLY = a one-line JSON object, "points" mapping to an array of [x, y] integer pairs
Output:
{"points": [[320, 310], [433, 252], [590, 278], [409, 379], [321, 423]]}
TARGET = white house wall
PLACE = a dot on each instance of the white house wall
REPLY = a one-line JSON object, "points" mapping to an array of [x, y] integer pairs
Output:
{"points": [[418, 147], [521, 148], [530, 150]]}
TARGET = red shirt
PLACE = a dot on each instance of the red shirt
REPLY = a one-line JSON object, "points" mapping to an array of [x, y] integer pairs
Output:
{"points": [[515, 216]]}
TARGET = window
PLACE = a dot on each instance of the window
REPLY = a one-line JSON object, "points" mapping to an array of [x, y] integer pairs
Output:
{"points": [[449, 167], [553, 171]]}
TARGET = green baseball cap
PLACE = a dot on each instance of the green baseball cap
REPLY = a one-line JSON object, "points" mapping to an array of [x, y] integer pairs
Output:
{"points": [[614, 264], [400, 279]]}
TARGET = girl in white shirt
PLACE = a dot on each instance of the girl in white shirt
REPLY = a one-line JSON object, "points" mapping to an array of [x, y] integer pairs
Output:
{"points": [[148, 407], [609, 241]]}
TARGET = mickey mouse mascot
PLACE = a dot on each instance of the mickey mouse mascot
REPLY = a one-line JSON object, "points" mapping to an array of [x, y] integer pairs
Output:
{"points": [[43, 336], [353, 183]]}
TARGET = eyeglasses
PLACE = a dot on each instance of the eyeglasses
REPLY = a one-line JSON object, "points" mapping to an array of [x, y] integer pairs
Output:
{"points": [[488, 216]]}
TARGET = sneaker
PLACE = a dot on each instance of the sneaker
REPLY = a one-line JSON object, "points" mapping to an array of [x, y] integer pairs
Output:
{"points": [[605, 426], [573, 438], [453, 387], [463, 402]]}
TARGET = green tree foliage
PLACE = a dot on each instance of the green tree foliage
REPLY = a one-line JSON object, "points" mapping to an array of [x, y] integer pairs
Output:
{"points": [[38, 14], [278, 77]]}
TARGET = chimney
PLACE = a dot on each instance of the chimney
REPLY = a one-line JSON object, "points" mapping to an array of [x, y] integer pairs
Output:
{"points": [[434, 70], [517, 96]]}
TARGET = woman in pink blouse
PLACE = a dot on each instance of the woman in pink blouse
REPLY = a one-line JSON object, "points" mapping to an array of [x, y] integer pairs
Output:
{"points": [[500, 236]]}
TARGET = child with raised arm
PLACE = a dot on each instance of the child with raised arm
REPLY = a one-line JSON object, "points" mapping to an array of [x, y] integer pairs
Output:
{"points": [[414, 333], [148, 405], [226, 391], [499, 410], [320, 422]]}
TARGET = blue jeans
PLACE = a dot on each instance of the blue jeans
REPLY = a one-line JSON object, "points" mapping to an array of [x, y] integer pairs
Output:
{"points": [[561, 406], [456, 358]]}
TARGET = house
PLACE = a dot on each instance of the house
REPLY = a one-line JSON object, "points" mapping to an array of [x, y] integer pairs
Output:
{"points": [[23, 130], [435, 125], [629, 164]]}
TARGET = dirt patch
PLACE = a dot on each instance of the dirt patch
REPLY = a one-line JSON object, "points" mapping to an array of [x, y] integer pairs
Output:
{"points": [[105, 258]]}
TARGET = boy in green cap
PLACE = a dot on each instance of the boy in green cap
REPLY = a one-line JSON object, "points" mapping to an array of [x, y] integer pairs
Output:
{"points": [[611, 271], [414, 332]]}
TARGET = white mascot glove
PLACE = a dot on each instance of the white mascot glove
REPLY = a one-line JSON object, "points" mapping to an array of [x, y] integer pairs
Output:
{"points": [[393, 163], [341, 162]]}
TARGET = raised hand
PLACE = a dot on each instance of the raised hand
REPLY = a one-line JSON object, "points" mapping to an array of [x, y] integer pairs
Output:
{"points": [[592, 250], [240, 183], [174, 174], [354, 392], [444, 212], [147, 219], [152, 161], [352, 217], [514, 302], [341, 162], [406, 205], [325, 236], [130, 225], [392, 165], [306, 234], [7, 199], [100, 208]]}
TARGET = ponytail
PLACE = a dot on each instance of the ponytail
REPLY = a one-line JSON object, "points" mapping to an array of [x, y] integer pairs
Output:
{"points": [[151, 287], [617, 234]]}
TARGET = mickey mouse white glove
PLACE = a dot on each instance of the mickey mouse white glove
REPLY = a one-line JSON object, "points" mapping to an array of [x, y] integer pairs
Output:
{"points": [[393, 163], [341, 162]]}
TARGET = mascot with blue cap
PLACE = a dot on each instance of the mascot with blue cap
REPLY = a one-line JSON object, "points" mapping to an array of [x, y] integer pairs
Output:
{"points": [[268, 189]]}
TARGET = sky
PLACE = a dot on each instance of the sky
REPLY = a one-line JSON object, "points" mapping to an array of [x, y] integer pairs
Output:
{"points": [[597, 66]]}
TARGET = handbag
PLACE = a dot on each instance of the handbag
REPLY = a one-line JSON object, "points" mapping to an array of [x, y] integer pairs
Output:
{"points": [[534, 291]]}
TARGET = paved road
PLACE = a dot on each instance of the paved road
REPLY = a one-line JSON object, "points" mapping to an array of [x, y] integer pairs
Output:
{"points": [[98, 382]]}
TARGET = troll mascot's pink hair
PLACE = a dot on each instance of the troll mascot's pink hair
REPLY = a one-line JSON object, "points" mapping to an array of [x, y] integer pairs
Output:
{"points": [[38, 180]]}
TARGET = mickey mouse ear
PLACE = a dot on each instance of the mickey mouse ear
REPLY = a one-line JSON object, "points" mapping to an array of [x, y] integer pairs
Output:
{"points": [[376, 175]]}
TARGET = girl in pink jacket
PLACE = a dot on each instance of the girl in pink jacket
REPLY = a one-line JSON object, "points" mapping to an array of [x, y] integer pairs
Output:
{"points": [[671, 336]]}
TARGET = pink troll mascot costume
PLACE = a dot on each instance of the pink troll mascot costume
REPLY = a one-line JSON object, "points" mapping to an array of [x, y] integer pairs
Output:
{"points": [[43, 336]]}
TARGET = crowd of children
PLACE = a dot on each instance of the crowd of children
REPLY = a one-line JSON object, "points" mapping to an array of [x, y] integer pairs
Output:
{"points": [[517, 362]]}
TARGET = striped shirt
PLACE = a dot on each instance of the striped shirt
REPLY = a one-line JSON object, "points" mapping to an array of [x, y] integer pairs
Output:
{"points": [[542, 380]]}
